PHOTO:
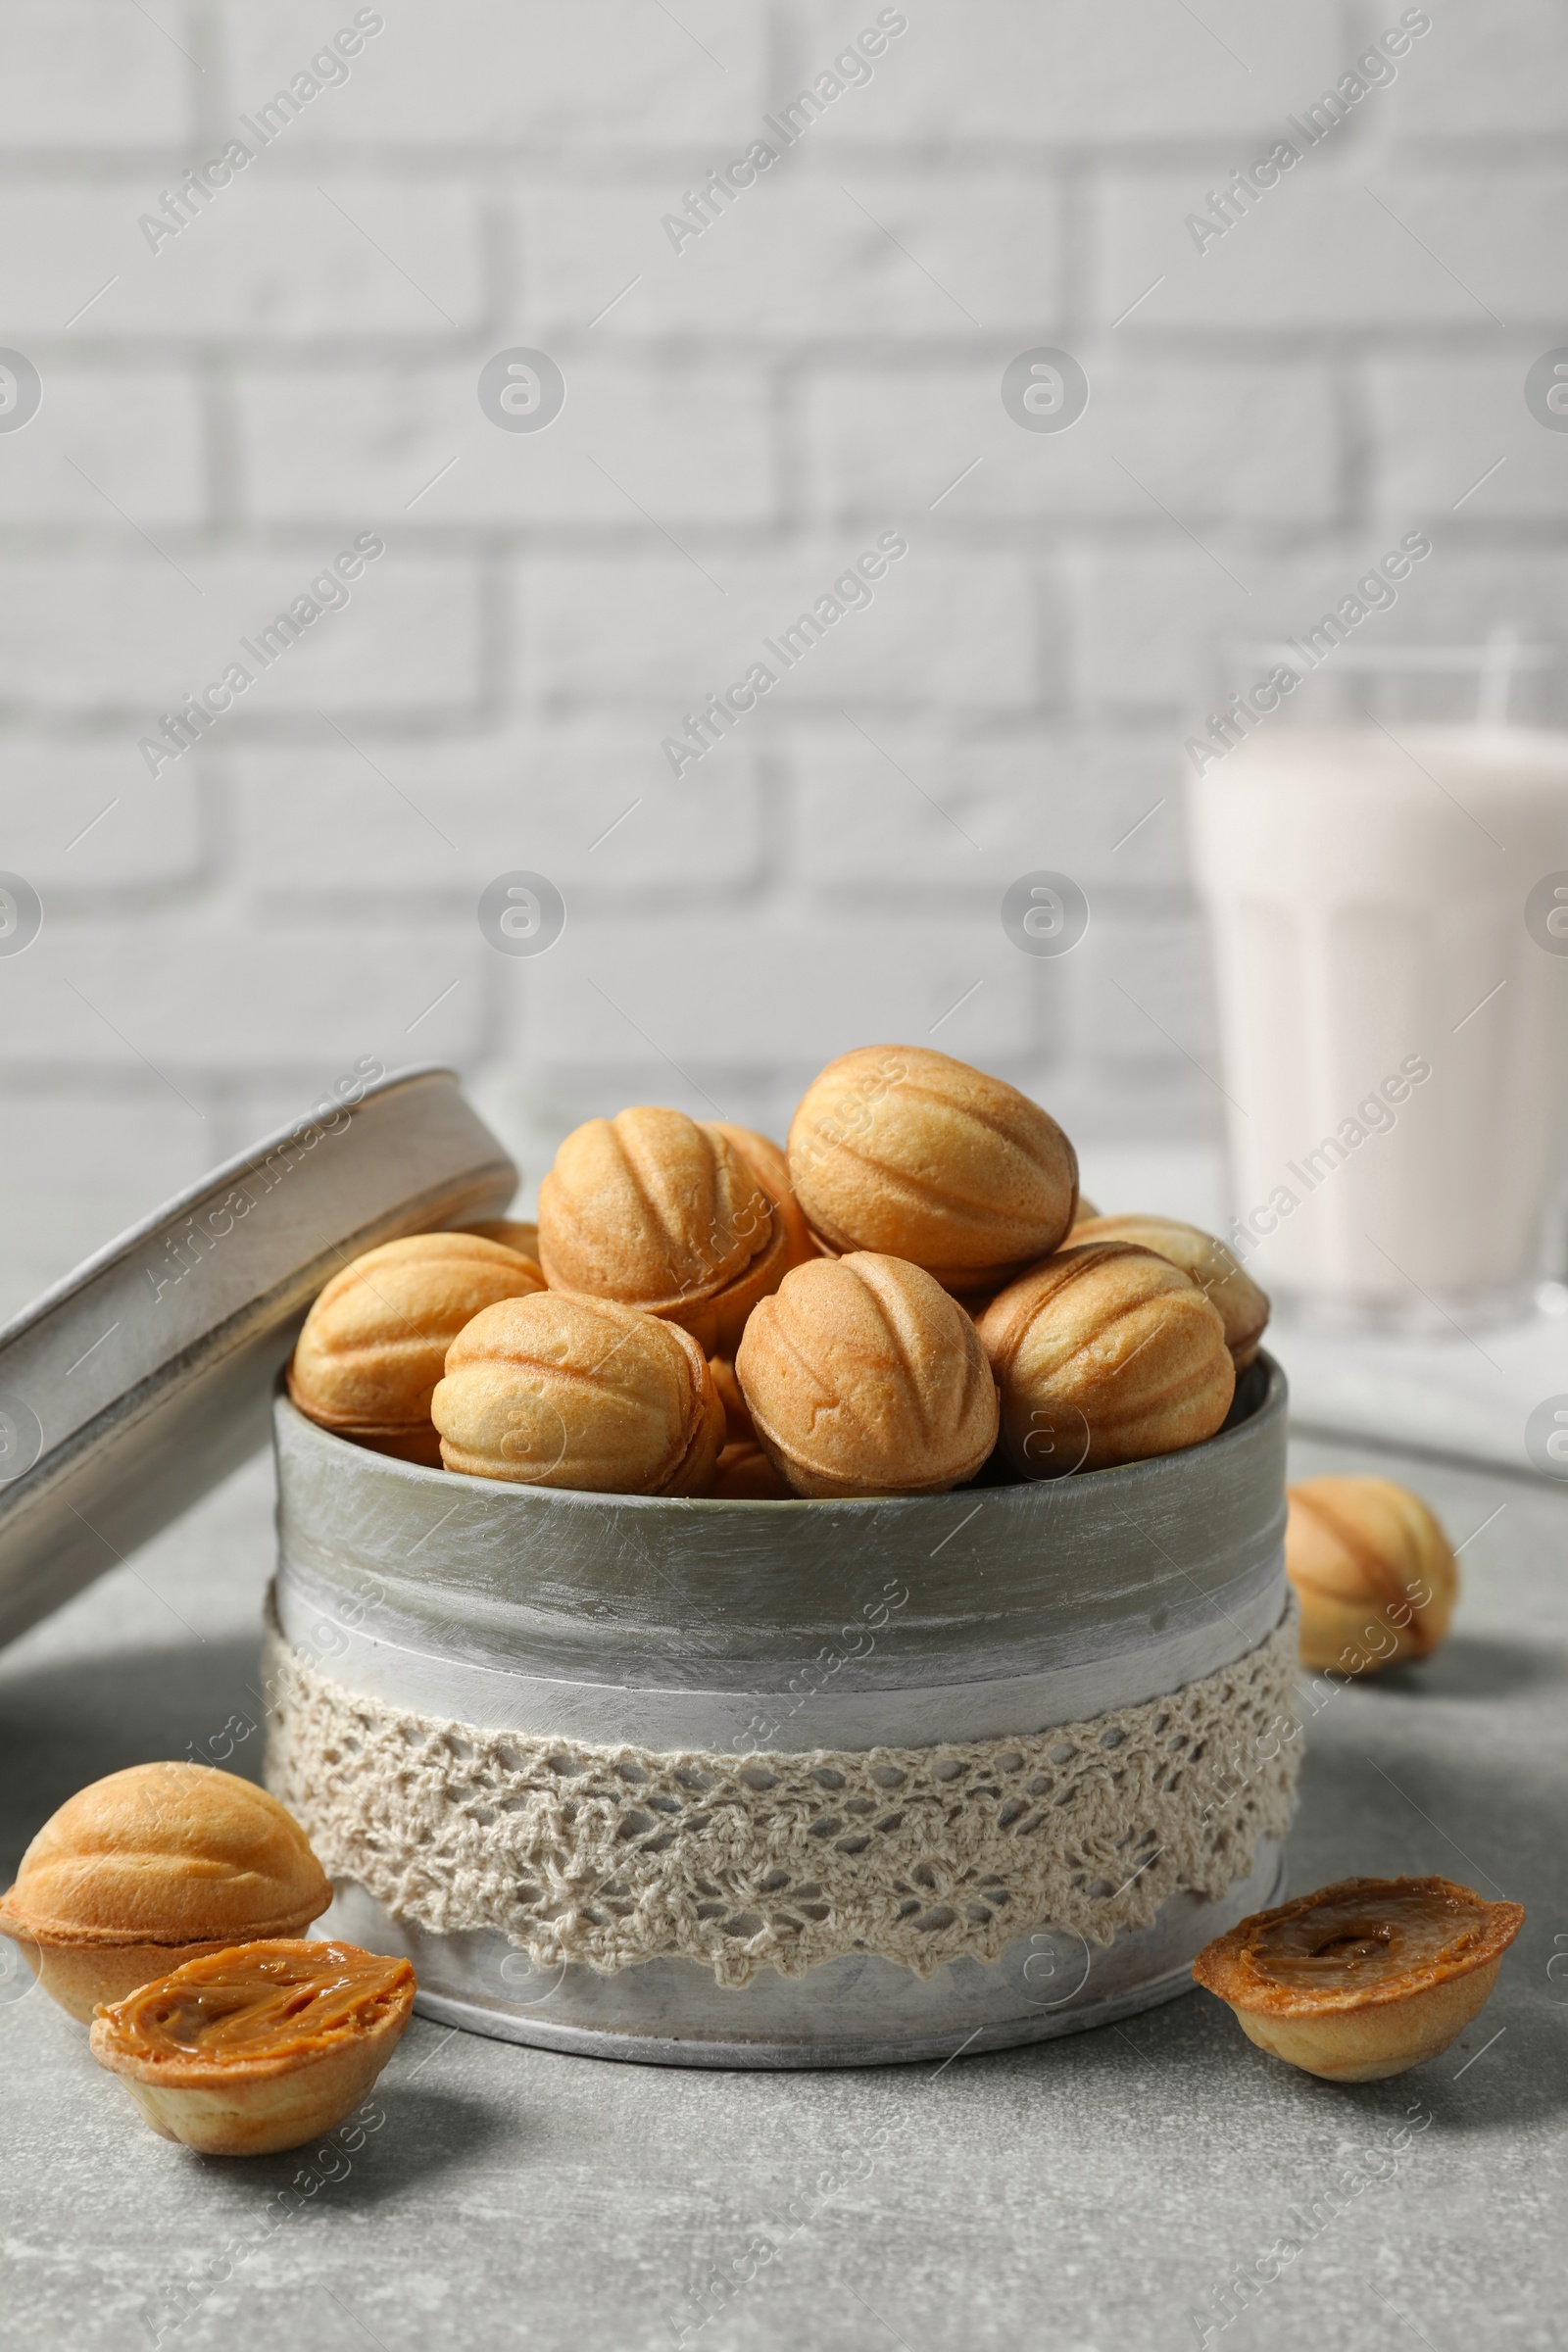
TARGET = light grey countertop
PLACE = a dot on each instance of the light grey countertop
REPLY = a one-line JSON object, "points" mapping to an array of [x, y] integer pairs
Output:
{"points": [[1082, 2195]]}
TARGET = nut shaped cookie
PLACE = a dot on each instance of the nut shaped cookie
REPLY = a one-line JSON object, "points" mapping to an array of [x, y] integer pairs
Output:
{"points": [[738, 1430], [514, 1233], [1364, 1978], [771, 1169], [259, 2047], [1243, 1307], [1103, 1355], [151, 1867], [745, 1474], [863, 1377], [1373, 1571], [661, 1212], [903, 1152], [375, 1342], [554, 1391]]}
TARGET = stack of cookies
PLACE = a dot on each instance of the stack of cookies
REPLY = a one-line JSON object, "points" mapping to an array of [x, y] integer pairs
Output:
{"points": [[912, 1296]]}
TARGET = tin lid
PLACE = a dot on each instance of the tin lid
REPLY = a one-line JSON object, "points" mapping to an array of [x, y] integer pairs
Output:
{"points": [[143, 1378]]}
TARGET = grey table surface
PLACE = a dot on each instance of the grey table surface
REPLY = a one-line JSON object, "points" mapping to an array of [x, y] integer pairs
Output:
{"points": [[1088, 2193]]}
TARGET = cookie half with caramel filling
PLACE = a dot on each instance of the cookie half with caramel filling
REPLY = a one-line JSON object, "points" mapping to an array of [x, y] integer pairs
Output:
{"points": [[1363, 1979], [257, 2048]]}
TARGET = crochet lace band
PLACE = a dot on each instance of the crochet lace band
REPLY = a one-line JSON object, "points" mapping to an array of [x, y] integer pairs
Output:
{"points": [[618, 1855]]}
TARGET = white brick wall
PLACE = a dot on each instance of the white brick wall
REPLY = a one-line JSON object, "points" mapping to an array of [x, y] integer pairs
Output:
{"points": [[300, 363]]}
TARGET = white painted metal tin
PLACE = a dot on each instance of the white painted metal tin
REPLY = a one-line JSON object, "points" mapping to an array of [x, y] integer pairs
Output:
{"points": [[725, 1625]]}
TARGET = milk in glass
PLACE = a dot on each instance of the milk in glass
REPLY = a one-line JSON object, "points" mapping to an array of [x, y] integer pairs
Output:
{"points": [[1392, 964]]}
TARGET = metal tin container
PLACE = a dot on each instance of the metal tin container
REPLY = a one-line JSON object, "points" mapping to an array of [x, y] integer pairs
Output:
{"points": [[678, 1625], [134, 1385]]}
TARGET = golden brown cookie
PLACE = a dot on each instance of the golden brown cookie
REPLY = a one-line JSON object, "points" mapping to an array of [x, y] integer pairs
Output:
{"points": [[151, 1867], [373, 1343], [1363, 1979], [1104, 1354], [1374, 1572], [259, 2047], [738, 1430], [863, 1377], [903, 1152], [1243, 1306], [555, 1391], [512, 1232], [769, 1166], [665, 1213], [745, 1474]]}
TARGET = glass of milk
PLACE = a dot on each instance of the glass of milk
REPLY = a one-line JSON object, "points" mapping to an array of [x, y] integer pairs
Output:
{"points": [[1389, 917]]}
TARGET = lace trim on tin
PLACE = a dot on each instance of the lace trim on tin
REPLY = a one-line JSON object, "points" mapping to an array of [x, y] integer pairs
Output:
{"points": [[922, 1855]]}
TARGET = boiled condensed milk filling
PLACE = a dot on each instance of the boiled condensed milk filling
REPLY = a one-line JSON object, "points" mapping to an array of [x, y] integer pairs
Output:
{"points": [[256, 2003], [1359, 1946]]}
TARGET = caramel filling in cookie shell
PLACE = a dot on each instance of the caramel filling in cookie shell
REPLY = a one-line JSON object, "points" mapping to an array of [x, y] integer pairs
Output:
{"points": [[257, 2003], [1363, 1941]]}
